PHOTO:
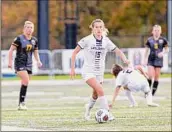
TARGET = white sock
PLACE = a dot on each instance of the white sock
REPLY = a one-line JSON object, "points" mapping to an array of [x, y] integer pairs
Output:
{"points": [[149, 97], [130, 97], [91, 102], [103, 103]]}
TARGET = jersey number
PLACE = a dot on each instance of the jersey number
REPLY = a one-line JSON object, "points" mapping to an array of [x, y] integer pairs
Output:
{"points": [[155, 46], [97, 55], [28, 47], [127, 71]]}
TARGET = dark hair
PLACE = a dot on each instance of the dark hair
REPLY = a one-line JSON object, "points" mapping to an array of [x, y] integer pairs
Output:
{"points": [[116, 69]]}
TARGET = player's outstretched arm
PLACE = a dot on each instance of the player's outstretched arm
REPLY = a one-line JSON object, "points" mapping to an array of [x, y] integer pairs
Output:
{"points": [[122, 56], [115, 94], [10, 55], [75, 52], [36, 55], [140, 68]]}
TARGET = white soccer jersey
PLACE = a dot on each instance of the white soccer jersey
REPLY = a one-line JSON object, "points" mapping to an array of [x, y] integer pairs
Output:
{"points": [[95, 53], [132, 79]]}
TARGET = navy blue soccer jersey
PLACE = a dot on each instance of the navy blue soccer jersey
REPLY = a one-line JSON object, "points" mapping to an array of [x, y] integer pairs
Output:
{"points": [[156, 46], [24, 50]]}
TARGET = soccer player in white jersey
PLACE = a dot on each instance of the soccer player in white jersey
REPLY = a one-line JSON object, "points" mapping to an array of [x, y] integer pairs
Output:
{"points": [[95, 47], [132, 80]]}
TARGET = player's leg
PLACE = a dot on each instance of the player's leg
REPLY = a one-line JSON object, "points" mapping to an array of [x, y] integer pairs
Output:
{"points": [[156, 82], [94, 96], [24, 83], [133, 86], [90, 104], [151, 73], [93, 99], [149, 100], [146, 89], [93, 83], [133, 103]]}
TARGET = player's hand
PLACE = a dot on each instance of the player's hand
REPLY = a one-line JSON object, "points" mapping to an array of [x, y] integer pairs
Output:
{"points": [[127, 61], [39, 63], [145, 63], [160, 55], [130, 65], [72, 74], [10, 65]]}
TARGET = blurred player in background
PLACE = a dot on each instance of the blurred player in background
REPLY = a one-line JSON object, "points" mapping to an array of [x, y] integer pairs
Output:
{"points": [[156, 47], [132, 80], [24, 44], [95, 47]]}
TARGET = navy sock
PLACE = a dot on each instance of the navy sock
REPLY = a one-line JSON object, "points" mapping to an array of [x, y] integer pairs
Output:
{"points": [[150, 82], [23, 91], [155, 86]]}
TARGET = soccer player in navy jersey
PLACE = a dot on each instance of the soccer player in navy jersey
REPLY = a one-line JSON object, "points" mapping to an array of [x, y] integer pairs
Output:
{"points": [[156, 47], [95, 47], [25, 45]]}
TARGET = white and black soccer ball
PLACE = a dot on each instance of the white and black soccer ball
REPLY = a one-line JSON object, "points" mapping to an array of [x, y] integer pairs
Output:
{"points": [[102, 115]]}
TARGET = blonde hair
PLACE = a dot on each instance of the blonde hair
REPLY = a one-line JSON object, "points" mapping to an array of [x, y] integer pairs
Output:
{"points": [[28, 22], [157, 26], [105, 30]]}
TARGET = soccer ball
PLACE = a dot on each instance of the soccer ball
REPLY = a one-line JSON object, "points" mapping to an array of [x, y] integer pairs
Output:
{"points": [[102, 116]]}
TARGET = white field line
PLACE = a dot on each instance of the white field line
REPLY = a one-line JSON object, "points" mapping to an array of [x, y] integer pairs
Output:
{"points": [[72, 108], [13, 128], [60, 96], [60, 82]]}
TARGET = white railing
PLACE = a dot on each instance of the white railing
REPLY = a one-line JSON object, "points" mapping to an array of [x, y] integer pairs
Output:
{"points": [[58, 61]]}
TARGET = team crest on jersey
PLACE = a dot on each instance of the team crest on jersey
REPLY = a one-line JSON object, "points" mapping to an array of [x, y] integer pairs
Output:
{"points": [[33, 42], [161, 41]]}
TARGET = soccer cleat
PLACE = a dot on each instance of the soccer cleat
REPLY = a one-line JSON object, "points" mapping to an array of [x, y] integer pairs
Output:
{"points": [[111, 117], [22, 106], [87, 112], [153, 105]]}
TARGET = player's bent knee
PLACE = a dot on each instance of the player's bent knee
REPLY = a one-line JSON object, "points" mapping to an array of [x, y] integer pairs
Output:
{"points": [[100, 92], [156, 78], [95, 96], [25, 82]]}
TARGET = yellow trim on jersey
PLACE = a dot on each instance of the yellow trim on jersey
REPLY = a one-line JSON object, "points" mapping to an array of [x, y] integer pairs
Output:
{"points": [[14, 44]]}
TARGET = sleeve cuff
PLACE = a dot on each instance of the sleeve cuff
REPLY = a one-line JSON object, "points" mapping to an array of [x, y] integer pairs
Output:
{"points": [[80, 46], [113, 49]]}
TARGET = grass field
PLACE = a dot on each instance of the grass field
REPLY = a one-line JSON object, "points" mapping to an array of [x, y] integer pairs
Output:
{"points": [[61, 108]]}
